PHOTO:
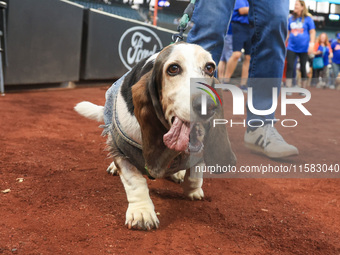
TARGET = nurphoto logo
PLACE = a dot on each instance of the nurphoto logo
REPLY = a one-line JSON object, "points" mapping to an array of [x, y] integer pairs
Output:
{"points": [[239, 104]]}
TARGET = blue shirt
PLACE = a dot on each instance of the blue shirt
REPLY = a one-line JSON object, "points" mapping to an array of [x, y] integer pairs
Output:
{"points": [[325, 53], [336, 52], [237, 17], [299, 34]]}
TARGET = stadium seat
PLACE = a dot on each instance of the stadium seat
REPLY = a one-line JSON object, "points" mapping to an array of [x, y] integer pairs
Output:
{"points": [[116, 9]]}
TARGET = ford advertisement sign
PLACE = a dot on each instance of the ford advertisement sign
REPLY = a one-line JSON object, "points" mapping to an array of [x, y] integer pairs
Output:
{"points": [[137, 43], [115, 44]]}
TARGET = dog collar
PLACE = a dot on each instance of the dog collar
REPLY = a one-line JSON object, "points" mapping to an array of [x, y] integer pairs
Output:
{"points": [[148, 174]]}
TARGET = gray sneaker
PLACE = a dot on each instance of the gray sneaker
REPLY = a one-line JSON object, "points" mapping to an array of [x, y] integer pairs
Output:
{"points": [[269, 142]]}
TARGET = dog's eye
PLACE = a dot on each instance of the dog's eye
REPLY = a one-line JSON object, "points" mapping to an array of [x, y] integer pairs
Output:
{"points": [[174, 70], [209, 69]]}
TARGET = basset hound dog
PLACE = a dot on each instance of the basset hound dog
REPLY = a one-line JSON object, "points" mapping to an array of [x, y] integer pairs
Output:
{"points": [[148, 121]]}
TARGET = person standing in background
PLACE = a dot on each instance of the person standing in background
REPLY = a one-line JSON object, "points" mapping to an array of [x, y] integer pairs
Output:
{"points": [[268, 51], [322, 49], [242, 34], [301, 38]]}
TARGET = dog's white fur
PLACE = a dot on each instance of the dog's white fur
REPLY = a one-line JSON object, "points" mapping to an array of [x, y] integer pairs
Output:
{"points": [[176, 90], [90, 111], [141, 211]]}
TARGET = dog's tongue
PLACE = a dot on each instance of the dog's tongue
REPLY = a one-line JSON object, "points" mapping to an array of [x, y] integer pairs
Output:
{"points": [[177, 137]]}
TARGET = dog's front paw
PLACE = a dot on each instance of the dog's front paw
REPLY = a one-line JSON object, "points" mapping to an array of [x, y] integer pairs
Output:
{"points": [[178, 177], [112, 169], [141, 218], [196, 194]]}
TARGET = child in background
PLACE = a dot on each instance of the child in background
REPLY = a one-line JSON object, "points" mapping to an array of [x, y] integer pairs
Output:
{"points": [[322, 48]]}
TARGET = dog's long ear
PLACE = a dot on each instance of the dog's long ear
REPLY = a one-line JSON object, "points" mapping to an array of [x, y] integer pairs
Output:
{"points": [[155, 153], [217, 147], [151, 127]]}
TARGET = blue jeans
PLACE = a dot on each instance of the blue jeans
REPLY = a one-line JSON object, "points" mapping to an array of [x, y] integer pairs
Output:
{"points": [[211, 19]]}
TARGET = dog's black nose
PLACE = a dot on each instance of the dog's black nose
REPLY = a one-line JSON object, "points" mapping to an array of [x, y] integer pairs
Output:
{"points": [[204, 106]]}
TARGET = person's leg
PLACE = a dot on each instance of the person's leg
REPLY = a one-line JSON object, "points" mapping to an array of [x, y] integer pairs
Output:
{"points": [[291, 57], [317, 74], [326, 76], [268, 51], [337, 76], [336, 68], [211, 19], [265, 73], [303, 61], [314, 78], [221, 69], [295, 74], [317, 78], [232, 63], [239, 38], [246, 62]]}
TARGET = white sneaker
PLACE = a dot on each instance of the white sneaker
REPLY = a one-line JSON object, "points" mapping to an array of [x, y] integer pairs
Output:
{"points": [[269, 142]]}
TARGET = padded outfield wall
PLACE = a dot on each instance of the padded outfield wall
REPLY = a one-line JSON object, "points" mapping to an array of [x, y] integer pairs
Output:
{"points": [[44, 41], [51, 41], [113, 44]]}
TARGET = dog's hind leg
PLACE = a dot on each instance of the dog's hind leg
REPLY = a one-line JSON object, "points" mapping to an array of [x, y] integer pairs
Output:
{"points": [[141, 211], [192, 185]]}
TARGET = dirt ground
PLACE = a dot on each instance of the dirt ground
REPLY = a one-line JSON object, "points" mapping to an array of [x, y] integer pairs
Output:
{"points": [[66, 203]]}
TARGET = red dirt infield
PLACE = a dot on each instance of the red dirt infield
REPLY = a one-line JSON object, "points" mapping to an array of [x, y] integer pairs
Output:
{"points": [[66, 203]]}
